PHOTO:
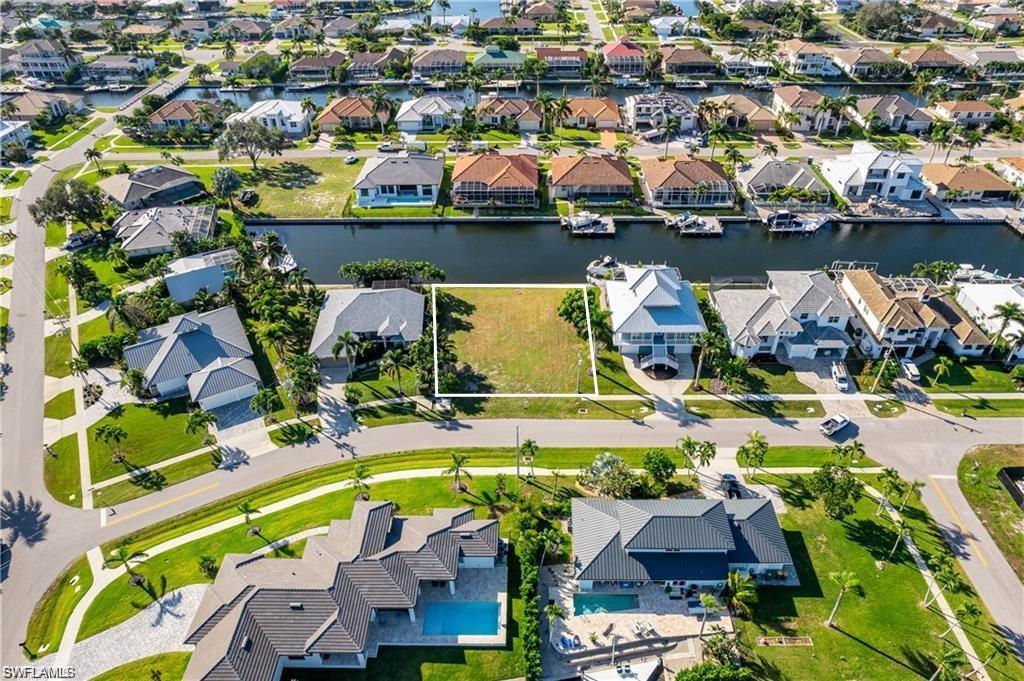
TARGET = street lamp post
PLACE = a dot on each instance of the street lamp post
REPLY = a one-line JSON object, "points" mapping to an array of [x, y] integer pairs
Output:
{"points": [[579, 372]]}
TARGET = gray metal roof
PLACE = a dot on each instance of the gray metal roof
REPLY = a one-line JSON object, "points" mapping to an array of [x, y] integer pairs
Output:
{"points": [[140, 186], [384, 313], [653, 299], [222, 375], [404, 168], [755, 527], [149, 228], [767, 174], [808, 291]]}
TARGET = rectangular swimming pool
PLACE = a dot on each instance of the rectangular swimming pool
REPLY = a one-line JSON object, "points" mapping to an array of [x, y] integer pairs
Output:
{"points": [[466, 618], [590, 604]]}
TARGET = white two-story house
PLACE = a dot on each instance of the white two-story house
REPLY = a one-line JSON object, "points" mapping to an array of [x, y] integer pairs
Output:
{"points": [[807, 59], [869, 171], [280, 114]]}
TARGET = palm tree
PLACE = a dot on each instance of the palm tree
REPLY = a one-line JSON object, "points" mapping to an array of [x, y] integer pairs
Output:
{"points": [[942, 369], [560, 111], [360, 473], [457, 469], [710, 606], [769, 148], [1007, 313], [391, 364], [199, 421], [445, 6], [348, 344], [544, 100], [79, 367], [997, 649], [902, 530], [706, 452], [741, 592], [248, 511], [264, 402], [551, 540], [947, 578], [753, 451], [228, 49], [968, 613], [913, 487], [672, 128], [891, 484], [123, 556], [529, 448], [949, 666], [733, 155], [112, 435], [823, 107], [382, 107], [308, 106], [716, 131], [939, 136], [686, 448], [845, 581], [553, 611], [93, 155]]}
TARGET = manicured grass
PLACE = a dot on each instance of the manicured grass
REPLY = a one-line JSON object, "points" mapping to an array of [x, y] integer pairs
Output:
{"points": [[62, 471], [370, 384], [50, 616], [508, 408], [5, 208], [154, 481], [97, 328], [12, 179], [724, 409], [57, 355], [155, 432], [771, 377], [114, 277], [991, 501], [56, 289], [5, 318], [982, 408], [292, 434], [250, 8], [800, 455], [56, 234], [513, 341], [60, 406], [64, 136], [612, 378], [886, 409], [170, 666], [980, 377]]}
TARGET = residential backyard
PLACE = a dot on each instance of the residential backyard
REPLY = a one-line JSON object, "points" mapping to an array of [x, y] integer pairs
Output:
{"points": [[989, 498], [511, 340]]}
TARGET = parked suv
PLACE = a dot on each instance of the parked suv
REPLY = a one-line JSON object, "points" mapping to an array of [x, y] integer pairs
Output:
{"points": [[840, 376], [910, 370], [731, 486]]}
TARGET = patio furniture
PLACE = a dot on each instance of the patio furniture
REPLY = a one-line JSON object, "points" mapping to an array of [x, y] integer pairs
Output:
{"points": [[647, 626], [637, 630]]}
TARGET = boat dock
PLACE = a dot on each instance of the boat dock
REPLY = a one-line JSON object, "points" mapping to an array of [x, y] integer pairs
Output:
{"points": [[605, 229]]}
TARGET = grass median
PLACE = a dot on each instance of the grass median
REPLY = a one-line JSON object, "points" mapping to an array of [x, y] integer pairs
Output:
{"points": [[50, 617], [991, 500]]}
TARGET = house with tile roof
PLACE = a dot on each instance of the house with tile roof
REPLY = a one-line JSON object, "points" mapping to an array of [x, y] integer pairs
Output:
{"points": [[373, 65], [509, 25], [543, 11], [438, 62], [339, 27], [152, 186], [962, 183], [935, 25], [205, 355], [690, 182], [348, 113], [807, 59], [654, 315], [995, 62], [687, 61], [180, 113], [788, 314], [624, 57], [297, 28], [375, 579], [907, 315], [739, 112], [493, 179], [1013, 170], [969, 113], [316, 68], [626, 543], [600, 179], [889, 112], [243, 29], [601, 113], [388, 317], [148, 231], [920, 59], [405, 179], [30, 104], [776, 184], [563, 62], [804, 102], [869, 63], [525, 114]]}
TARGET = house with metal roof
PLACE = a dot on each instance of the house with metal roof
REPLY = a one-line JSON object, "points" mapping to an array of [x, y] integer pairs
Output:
{"points": [[152, 186], [789, 314], [185, 277], [370, 581], [203, 354], [389, 317], [148, 231], [403, 179], [777, 184], [428, 114], [654, 315], [680, 542]]}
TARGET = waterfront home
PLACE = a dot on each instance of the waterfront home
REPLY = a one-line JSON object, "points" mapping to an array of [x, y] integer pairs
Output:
{"points": [[243, 29], [563, 62], [998, 19], [145, 31], [669, 27], [428, 114], [686, 183], [525, 114], [314, 68], [15, 132], [624, 57], [777, 184], [740, 64], [375, 579], [868, 63], [151, 186], [509, 25], [654, 315], [806, 59], [399, 180], [285, 115], [677, 543], [687, 61], [297, 28], [287, 6], [889, 112], [387, 317], [805, 103], [982, 299], [935, 25], [500, 61], [603, 179], [1014, 108], [205, 355], [788, 314], [456, 24], [180, 113], [187, 276], [372, 65], [920, 59], [995, 62], [348, 113], [498, 180], [339, 27], [1013, 170], [542, 11], [601, 113], [906, 315], [29, 105], [868, 171], [44, 59], [229, 67], [652, 109], [438, 62], [147, 231], [739, 112], [960, 183], [194, 29], [399, 28], [969, 113], [114, 68]]}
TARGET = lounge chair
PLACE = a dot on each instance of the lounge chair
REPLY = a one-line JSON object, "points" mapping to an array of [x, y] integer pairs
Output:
{"points": [[647, 626], [627, 670], [637, 630]]}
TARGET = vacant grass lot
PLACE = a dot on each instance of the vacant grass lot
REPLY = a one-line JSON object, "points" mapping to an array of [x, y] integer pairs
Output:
{"points": [[769, 377], [511, 340], [981, 377], [169, 666], [60, 406], [155, 432], [62, 471], [46, 626], [1001, 516], [724, 409]]}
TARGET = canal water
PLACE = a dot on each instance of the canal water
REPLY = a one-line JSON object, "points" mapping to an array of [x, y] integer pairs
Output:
{"points": [[489, 252]]}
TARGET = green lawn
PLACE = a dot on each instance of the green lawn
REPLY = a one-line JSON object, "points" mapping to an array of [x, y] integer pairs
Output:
{"points": [[12, 179], [769, 377], [988, 497], [612, 378], [724, 409], [509, 408], [60, 406], [886, 409], [972, 377], [63, 136], [5, 208], [798, 455], [62, 471], [155, 432], [5, 319], [882, 632], [56, 234], [154, 481], [982, 408], [369, 384], [114, 277], [97, 328], [56, 289], [170, 666], [50, 616], [57, 351], [510, 340], [250, 9]]}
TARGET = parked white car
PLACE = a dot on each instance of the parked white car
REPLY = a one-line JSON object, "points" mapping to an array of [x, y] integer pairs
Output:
{"points": [[840, 376], [833, 424], [910, 370]]}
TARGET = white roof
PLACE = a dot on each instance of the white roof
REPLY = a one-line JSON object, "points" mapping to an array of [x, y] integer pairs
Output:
{"points": [[987, 296], [865, 156], [431, 105], [653, 299], [283, 108]]}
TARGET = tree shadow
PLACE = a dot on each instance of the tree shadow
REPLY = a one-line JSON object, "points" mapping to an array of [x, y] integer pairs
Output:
{"points": [[915, 662], [24, 518], [877, 539], [454, 312], [145, 479]]}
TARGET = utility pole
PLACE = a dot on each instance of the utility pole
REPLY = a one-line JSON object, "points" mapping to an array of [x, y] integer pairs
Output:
{"points": [[579, 371], [517, 456], [881, 369]]}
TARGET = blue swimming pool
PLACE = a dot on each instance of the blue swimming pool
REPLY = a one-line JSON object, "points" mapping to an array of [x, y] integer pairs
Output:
{"points": [[589, 604], [461, 619]]}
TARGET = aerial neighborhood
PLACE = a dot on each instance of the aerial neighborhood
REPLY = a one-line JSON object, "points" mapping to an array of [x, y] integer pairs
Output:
{"points": [[598, 340]]}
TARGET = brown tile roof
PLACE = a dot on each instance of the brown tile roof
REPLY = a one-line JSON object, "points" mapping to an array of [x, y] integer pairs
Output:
{"points": [[1016, 162], [684, 173], [346, 107], [865, 55], [519, 23], [925, 56], [967, 178], [181, 109], [975, 105], [520, 109], [379, 58], [798, 97], [497, 170], [555, 52], [326, 61], [882, 301], [797, 46], [681, 55], [624, 47], [598, 108], [580, 171], [744, 106], [438, 55]]}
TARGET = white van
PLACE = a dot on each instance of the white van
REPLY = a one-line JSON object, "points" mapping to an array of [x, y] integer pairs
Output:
{"points": [[416, 145], [840, 377]]}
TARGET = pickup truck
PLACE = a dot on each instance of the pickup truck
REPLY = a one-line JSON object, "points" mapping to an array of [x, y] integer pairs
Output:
{"points": [[833, 424]]}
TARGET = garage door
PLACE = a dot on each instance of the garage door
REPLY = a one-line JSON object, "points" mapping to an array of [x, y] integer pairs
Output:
{"points": [[228, 397]]}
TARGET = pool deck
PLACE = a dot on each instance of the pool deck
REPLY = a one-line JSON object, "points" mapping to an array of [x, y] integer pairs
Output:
{"points": [[394, 628]]}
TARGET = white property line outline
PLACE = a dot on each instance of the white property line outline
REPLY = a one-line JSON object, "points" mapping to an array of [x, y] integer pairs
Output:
{"points": [[590, 342]]}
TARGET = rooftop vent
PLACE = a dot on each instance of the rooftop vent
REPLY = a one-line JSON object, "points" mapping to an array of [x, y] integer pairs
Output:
{"points": [[295, 605], [246, 644]]}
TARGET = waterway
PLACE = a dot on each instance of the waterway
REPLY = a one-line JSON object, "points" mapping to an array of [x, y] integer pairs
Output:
{"points": [[496, 252]]}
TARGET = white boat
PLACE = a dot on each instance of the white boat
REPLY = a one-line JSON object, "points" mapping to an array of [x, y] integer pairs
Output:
{"points": [[787, 222], [758, 83], [299, 86], [36, 84], [581, 219], [629, 81], [689, 84], [96, 88], [606, 267], [120, 87], [694, 225], [588, 224]]}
